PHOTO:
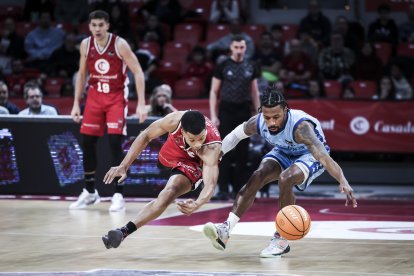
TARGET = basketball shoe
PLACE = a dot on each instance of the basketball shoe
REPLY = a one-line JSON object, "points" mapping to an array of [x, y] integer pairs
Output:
{"points": [[218, 234], [277, 247], [118, 203], [113, 239], [85, 199]]}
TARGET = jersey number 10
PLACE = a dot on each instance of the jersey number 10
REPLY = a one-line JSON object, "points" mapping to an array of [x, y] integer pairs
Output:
{"points": [[103, 87]]}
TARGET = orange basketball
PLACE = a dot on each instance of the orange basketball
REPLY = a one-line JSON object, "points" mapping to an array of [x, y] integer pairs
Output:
{"points": [[293, 222]]}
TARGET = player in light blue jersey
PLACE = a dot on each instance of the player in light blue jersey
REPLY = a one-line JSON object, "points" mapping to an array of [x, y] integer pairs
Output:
{"points": [[300, 154]]}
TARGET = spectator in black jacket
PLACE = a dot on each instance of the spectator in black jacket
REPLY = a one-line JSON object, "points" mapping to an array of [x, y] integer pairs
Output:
{"points": [[316, 23], [384, 28], [4, 96]]}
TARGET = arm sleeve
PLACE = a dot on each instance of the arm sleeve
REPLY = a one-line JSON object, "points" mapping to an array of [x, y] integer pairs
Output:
{"points": [[233, 138]]}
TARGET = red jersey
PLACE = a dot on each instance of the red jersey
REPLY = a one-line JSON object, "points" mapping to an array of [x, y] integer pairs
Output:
{"points": [[176, 154], [107, 70]]}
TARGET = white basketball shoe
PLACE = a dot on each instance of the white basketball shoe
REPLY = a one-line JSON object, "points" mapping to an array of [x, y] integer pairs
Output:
{"points": [[277, 247], [118, 203], [85, 199]]}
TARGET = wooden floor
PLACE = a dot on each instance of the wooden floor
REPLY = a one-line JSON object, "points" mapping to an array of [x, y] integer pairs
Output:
{"points": [[44, 236]]}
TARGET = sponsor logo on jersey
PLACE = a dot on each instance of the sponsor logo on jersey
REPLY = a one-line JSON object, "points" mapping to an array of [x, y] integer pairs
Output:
{"points": [[102, 66]]}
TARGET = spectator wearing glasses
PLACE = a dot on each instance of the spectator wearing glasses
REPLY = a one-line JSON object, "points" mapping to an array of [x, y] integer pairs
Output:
{"points": [[33, 96]]}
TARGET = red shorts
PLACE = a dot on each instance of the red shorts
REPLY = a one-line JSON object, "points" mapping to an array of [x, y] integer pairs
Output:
{"points": [[189, 167], [100, 109]]}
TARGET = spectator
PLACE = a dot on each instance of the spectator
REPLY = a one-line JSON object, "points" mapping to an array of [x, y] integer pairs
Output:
{"points": [[33, 97], [403, 89], [167, 11], [406, 29], [384, 29], [160, 101], [73, 12], [64, 61], [4, 99], [296, 66], [11, 44], [279, 46], [223, 44], [316, 89], [335, 61], [224, 11], [350, 38], [267, 58], [152, 31], [33, 9], [368, 66], [386, 89], [198, 65], [316, 23], [42, 41], [309, 46], [119, 19]]}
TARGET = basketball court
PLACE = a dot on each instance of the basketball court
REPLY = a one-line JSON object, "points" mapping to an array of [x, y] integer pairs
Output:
{"points": [[40, 236]]}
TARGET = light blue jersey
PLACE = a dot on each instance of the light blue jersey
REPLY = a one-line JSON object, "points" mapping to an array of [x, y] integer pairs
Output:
{"points": [[287, 151]]}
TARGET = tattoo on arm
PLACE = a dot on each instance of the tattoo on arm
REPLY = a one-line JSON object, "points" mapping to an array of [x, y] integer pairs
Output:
{"points": [[305, 134], [250, 126]]}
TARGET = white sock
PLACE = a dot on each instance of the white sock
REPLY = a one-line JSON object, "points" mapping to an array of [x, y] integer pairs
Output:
{"points": [[232, 220]]}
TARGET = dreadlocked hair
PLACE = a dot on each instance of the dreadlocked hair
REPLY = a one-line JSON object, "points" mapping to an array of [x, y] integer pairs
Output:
{"points": [[272, 97]]}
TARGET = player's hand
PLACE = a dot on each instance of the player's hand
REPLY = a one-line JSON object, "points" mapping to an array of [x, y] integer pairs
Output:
{"points": [[346, 189], [75, 113], [187, 207], [119, 171], [142, 113]]}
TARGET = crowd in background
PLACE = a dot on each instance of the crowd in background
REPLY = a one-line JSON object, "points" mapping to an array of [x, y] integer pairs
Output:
{"points": [[39, 42]]}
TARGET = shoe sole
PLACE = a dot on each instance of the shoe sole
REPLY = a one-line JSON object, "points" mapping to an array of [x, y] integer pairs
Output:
{"points": [[113, 239], [276, 255], [210, 232]]}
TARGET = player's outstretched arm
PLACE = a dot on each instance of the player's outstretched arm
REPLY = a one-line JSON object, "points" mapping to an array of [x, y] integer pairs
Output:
{"points": [[305, 134], [241, 132], [160, 127], [209, 154]]}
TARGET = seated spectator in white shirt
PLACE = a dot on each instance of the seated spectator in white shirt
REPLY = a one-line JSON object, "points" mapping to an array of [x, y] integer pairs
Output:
{"points": [[33, 96]]}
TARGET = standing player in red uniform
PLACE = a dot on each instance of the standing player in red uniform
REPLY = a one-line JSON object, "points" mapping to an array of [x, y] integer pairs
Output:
{"points": [[105, 57], [192, 152]]}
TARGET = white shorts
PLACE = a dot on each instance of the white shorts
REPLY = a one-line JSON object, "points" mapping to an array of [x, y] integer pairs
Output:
{"points": [[310, 167]]}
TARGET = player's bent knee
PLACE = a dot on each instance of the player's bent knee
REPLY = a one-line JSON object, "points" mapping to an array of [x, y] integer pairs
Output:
{"points": [[286, 180]]}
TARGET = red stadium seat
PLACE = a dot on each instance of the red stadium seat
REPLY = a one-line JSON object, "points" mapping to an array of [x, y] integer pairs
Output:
{"points": [[152, 47], [188, 88], [384, 50], [333, 89], [216, 31], [202, 8], [23, 28], [15, 85], [289, 31], [133, 7], [53, 86], [14, 12], [406, 49], [190, 33], [169, 71], [176, 51], [364, 89], [254, 30]]}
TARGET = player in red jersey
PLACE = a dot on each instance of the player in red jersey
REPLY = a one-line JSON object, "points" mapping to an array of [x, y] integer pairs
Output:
{"points": [[192, 152], [104, 58]]}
